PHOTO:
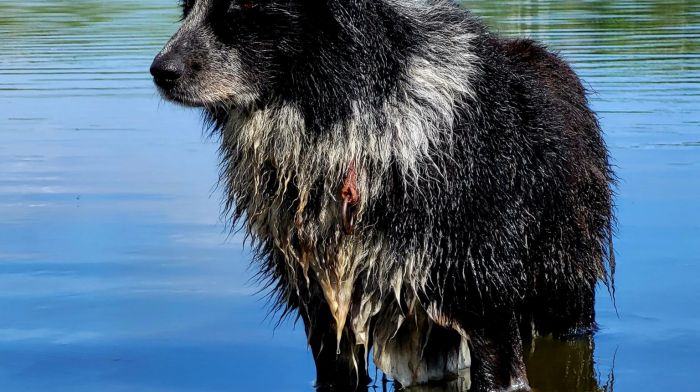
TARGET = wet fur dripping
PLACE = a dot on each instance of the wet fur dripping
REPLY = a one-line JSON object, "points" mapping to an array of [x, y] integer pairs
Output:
{"points": [[484, 204]]}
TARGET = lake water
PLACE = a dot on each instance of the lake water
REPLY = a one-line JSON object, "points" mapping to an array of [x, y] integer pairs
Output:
{"points": [[116, 273]]}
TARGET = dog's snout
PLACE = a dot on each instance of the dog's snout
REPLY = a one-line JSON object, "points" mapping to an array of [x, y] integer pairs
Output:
{"points": [[167, 69]]}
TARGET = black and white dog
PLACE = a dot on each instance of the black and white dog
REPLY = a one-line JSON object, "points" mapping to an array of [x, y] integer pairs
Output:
{"points": [[416, 187]]}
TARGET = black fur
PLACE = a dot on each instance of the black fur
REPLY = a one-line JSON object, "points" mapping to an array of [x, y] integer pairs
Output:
{"points": [[512, 213]]}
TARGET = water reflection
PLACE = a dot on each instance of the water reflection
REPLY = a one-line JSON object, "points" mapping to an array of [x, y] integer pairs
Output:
{"points": [[553, 366], [116, 275]]}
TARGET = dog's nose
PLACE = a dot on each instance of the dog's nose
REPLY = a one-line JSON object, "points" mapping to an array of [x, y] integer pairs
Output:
{"points": [[166, 70]]}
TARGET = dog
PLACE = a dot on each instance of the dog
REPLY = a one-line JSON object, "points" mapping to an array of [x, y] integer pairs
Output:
{"points": [[416, 188]]}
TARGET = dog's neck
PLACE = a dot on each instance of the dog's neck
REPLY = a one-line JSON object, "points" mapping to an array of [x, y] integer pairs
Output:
{"points": [[288, 179], [281, 154]]}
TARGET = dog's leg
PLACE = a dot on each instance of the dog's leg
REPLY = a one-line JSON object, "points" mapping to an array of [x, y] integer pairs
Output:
{"points": [[340, 367], [497, 356]]}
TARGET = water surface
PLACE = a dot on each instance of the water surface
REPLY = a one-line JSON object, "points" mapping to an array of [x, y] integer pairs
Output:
{"points": [[116, 273]]}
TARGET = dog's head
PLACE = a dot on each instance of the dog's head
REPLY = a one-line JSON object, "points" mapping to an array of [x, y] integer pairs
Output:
{"points": [[228, 51], [242, 52]]}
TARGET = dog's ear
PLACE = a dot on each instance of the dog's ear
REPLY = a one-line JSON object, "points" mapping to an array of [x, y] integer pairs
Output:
{"points": [[343, 9], [336, 16], [340, 4], [324, 11]]}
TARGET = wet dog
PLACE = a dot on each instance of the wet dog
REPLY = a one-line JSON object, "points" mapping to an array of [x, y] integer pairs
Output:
{"points": [[415, 186]]}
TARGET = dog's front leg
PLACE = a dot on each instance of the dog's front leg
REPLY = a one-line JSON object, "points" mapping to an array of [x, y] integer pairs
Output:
{"points": [[340, 366]]}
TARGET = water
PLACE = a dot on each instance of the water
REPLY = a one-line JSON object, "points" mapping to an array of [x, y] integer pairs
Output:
{"points": [[116, 273]]}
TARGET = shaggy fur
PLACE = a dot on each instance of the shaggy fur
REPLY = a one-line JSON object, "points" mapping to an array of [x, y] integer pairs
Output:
{"points": [[485, 209]]}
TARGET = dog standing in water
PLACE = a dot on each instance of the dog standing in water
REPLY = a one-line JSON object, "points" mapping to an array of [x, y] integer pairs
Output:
{"points": [[415, 186]]}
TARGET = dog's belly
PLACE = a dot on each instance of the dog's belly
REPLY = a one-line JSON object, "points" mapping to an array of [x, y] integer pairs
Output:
{"points": [[422, 351]]}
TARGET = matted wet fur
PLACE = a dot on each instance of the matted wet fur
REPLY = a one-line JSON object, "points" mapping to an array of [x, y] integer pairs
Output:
{"points": [[484, 208]]}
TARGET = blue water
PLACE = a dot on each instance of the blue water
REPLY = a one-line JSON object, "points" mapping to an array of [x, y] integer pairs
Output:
{"points": [[117, 274]]}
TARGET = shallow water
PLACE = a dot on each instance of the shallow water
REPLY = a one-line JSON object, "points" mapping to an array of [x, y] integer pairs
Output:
{"points": [[116, 273]]}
